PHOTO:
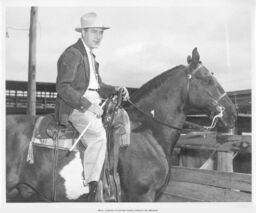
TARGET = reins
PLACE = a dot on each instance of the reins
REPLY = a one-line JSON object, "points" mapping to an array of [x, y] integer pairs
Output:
{"points": [[219, 108], [153, 118]]}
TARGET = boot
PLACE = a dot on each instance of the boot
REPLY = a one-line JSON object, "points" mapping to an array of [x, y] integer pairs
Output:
{"points": [[92, 191]]}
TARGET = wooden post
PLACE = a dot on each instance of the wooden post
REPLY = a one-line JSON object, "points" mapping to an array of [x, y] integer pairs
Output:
{"points": [[45, 104], [32, 63], [225, 159], [15, 101]]}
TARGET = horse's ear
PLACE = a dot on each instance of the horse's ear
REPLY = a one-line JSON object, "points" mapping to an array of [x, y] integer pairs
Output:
{"points": [[189, 59], [195, 55]]}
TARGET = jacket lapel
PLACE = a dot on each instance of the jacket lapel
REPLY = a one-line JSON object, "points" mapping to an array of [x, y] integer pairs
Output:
{"points": [[80, 46]]}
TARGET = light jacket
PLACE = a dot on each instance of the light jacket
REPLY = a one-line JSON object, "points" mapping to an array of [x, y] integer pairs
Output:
{"points": [[73, 80]]}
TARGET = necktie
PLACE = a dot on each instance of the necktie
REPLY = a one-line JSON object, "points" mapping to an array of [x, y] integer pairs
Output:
{"points": [[93, 64]]}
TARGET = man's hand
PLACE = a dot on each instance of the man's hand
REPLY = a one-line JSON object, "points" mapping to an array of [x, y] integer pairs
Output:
{"points": [[124, 91], [96, 109]]}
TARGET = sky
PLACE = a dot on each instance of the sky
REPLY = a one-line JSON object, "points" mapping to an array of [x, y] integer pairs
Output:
{"points": [[144, 40]]}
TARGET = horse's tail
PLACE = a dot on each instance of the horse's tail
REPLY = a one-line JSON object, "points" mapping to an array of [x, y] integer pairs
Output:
{"points": [[18, 130]]}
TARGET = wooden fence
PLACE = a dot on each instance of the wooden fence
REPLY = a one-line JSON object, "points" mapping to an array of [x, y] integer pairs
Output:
{"points": [[198, 185], [214, 179], [223, 148]]}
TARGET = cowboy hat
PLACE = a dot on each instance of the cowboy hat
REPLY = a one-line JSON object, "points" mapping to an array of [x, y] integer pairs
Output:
{"points": [[90, 20]]}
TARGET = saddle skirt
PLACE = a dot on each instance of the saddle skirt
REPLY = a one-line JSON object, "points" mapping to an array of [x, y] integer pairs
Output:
{"points": [[48, 134]]}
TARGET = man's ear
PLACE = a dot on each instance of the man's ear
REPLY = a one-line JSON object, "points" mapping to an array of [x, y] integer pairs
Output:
{"points": [[83, 31]]}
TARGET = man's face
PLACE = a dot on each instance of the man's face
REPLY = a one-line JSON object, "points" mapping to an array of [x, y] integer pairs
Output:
{"points": [[92, 37]]}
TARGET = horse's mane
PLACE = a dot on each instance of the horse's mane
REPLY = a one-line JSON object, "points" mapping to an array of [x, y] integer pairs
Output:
{"points": [[155, 82]]}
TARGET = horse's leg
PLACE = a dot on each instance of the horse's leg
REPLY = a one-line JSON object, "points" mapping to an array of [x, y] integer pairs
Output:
{"points": [[142, 191], [143, 168], [147, 197]]}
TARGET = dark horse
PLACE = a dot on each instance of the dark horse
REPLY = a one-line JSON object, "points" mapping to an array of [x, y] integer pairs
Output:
{"points": [[157, 116]]}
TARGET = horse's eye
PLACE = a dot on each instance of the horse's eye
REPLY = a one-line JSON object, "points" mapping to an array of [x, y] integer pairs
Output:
{"points": [[212, 73], [208, 80]]}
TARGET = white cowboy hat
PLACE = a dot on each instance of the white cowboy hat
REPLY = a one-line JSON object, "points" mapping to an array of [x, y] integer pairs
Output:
{"points": [[90, 20]]}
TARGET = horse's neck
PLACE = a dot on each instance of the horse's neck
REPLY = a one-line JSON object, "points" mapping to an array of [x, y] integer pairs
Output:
{"points": [[166, 103]]}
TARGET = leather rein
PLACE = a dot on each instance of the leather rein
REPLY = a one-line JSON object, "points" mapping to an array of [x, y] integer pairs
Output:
{"points": [[216, 101]]}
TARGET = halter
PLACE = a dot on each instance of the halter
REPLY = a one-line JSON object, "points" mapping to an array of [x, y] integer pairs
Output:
{"points": [[216, 101]]}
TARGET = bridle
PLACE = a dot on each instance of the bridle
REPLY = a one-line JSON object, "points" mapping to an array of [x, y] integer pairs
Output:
{"points": [[216, 101]]}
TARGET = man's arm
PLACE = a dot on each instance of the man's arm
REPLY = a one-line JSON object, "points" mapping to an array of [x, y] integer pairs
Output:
{"points": [[107, 90], [67, 68]]}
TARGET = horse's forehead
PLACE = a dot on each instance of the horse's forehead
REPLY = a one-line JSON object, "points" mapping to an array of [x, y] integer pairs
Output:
{"points": [[205, 74], [204, 71]]}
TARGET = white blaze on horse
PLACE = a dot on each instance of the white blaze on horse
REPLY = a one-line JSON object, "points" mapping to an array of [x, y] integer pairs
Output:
{"points": [[157, 115]]}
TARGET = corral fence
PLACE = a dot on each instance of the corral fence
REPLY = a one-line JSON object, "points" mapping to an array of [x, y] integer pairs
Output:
{"points": [[204, 170], [198, 185]]}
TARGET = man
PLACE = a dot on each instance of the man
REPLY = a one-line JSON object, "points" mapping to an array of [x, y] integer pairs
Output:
{"points": [[80, 91]]}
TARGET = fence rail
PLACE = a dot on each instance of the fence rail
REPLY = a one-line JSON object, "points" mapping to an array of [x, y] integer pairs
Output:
{"points": [[214, 142], [197, 185]]}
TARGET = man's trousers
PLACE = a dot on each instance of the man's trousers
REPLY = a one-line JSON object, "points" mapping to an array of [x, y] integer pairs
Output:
{"points": [[94, 139]]}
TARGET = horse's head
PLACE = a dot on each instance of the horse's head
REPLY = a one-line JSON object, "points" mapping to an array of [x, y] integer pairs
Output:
{"points": [[206, 94]]}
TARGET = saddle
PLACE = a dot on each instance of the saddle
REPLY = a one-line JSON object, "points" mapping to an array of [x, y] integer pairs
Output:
{"points": [[47, 133]]}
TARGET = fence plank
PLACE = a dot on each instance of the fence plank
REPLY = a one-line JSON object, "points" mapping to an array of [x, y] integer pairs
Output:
{"points": [[225, 143], [166, 197], [212, 178], [206, 193], [225, 161]]}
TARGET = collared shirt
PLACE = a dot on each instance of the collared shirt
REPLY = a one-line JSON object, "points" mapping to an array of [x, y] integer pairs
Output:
{"points": [[92, 96], [93, 82]]}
